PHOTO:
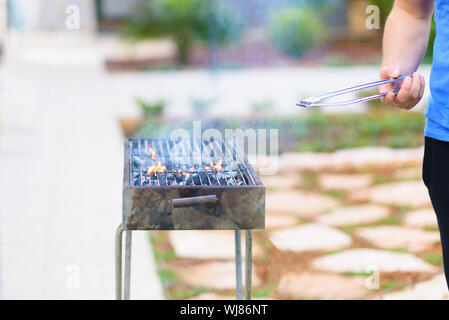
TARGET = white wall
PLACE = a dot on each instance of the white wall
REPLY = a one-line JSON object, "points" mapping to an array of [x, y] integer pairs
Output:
{"points": [[51, 14], [3, 20]]}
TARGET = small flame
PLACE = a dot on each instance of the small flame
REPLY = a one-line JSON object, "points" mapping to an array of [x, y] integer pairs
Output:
{"points": [[156, 169], [216, 167], [153, 154], [187, 174]]}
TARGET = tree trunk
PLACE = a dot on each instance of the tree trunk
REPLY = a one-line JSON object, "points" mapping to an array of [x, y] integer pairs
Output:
{"points": [[184, 44]]}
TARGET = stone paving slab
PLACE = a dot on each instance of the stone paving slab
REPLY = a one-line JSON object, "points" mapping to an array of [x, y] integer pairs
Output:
{"points": [[310, 237], [407, 193], [353, 215], [300, 203], [408, 173], [433, 289], [363, 260], [421, 218], [216, 275], [282, 181], [208, 244], [396, 237], [350, 159], [276, 221], [321, 286], [344, 181]]}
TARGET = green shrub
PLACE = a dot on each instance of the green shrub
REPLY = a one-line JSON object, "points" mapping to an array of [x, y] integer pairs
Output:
{"points": [[211, 22], [297, 29], [151, 109]]}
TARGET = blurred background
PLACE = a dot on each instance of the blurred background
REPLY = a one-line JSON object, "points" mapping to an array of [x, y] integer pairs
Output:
{"points": [[347, 213]]}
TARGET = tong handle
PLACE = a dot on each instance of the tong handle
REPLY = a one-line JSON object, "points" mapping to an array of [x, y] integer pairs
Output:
{"points": [[317, 100]]}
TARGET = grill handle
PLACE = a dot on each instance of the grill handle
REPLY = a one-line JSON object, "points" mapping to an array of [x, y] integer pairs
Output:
{"points": [[210, 201]]}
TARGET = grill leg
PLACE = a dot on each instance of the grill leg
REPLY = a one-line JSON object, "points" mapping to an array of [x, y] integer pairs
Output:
{"points": [[127, 283], [238, 264], [248, 263], [118, 262]]}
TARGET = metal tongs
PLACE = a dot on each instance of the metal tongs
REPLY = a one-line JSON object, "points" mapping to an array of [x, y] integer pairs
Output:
{"points": [[317, 101]]}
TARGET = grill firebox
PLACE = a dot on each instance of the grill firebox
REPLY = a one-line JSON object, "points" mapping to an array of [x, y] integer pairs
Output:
{"points": [[190, 184]]}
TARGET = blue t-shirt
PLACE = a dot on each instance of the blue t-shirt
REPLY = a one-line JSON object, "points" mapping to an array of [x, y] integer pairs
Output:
{"points": [[437, 113]]}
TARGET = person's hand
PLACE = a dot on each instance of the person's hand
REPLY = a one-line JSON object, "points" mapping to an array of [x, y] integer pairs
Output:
{"points": [[411, 92]]}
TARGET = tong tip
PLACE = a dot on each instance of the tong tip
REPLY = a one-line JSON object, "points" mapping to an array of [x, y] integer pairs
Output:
{"points": [[303, 104]]}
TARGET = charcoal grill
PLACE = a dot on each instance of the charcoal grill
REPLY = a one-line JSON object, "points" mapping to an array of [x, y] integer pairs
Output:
{"points": [[189, 185]]}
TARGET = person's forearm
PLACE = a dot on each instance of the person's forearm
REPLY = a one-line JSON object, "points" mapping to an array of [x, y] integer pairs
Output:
{"points": [[405, 39]]}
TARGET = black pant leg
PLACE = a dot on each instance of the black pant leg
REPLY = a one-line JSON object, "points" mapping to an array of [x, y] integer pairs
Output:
{"points": [[436, 178]]}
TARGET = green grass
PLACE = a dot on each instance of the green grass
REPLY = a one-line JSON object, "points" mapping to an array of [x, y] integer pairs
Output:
{"points": [[358, 274], [164, 255], [434, 258], [265, 244], [309, 180], [167, 276], [391, 220], [337, 194], [263, 292], [431, 228], [393, 284], [329, 252], [156, 238], [398, 250], [186, 294], [381, 179]]}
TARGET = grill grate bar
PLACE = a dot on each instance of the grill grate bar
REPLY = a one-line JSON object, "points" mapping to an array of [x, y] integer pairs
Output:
{"points": [[240, 161], [212, 155], [188, 163]]}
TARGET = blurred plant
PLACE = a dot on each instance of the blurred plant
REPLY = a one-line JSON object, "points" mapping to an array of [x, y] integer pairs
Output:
{"points": [[212, 22], [151, 109], [152, 113], [296, 29], [262, 107], [201, 106], [428, 58]]}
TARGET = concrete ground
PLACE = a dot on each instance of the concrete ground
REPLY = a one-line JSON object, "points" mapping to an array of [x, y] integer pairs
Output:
{"points": [[61, 177]]}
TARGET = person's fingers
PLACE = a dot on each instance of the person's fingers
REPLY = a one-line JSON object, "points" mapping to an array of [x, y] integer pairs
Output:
{"points": [[423, 87], [386, 88], [389, 88], [395, 74], [389, 98], [416, 87], [389, 72], [386, 72], [404, 92]]}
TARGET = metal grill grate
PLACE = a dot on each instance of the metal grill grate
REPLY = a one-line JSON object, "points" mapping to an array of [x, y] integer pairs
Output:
{"points": [[163, 162]]}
